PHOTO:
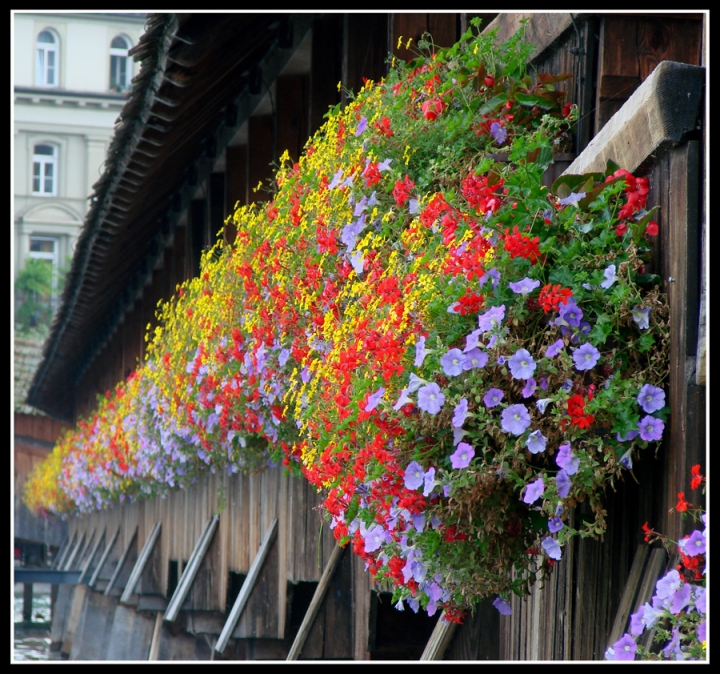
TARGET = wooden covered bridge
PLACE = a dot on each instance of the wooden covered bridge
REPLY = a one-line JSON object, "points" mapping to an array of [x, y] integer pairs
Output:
{"points": [[241, 567]]}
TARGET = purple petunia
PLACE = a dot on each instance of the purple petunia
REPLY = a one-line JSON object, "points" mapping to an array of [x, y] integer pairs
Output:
{"points": [[452, 362], [361, 126], [374, 538], [650, 428], [522, 364], [515, 419], [492, 318], [570, 313], [420, 351], [555, 524], [472, 341], [641, 315], [475, 359], [572, 199], [551, 547], [586, 357], [498, 132], [542, 404], [502, 606], [462, 456], [534, 491], [374, 399], [651, 398], [625, 648], [491, 274], [430, 398], [527, 285], [554, 349], [668, 584], [460, 413], [536, 442], [529, 388], [493, 397], [562, 479], [610, 276], [414, 475], [695, 545]]}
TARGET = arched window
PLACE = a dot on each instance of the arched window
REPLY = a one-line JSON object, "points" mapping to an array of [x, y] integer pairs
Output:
{"points": [[44, 170], [119, 63], [47, 59]]}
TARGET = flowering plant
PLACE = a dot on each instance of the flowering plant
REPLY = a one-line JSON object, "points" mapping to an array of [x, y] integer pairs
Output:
{"points": [[677, 612], [455, 354]]}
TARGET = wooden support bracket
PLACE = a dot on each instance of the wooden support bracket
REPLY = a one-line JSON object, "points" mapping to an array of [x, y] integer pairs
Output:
{"points": [[141, 562], [64, 551], [121, 562], [317, 599], [67, 565], [247, 587], [193, 565], [439, 640], [61, 553], [629, 593], [103, 558], [91, 556]]}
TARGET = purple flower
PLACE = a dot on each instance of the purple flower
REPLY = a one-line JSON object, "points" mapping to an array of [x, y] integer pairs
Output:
{"points": [[522, 364], [555, 524], [430, 398], [630, 435], [626, 460], [551, 547], [641, 316], [572, 199], [420, 351], [498, 132], [668, 584], [492, 274], [493, 397], [695, 545], [702, 631], [358, 262], [374, 538], [361, 126], [570, 313], [515, 419], [536, 442], [428, 484], [502, 606], [462, 456], [529, 388], [650, 428], [651, 398], [402, 400], [625, 648], [586, 357], [610, 277], [472, 340], [681, 598], [475, 359], [542, 404], [527, 285], [492, 318], [534, 491], [414, 475], [563, 483], [460, 413], [374, 399], [554, 349], [452, 362]]}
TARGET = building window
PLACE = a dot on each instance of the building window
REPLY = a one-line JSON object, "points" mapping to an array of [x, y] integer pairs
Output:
{"points": [[119, 64], [47, 60], [44, 170], [47, 249]]}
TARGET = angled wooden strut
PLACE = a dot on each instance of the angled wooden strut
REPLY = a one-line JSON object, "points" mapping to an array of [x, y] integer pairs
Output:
{"points": [[91, 556], [439, 640], [67, 564], [191, 569], [317, 599], [103, 558], [247, 587], [141, 563], [120, 563]]}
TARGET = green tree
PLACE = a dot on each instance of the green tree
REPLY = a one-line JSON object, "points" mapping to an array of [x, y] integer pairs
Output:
{"points": [[34, 297]]}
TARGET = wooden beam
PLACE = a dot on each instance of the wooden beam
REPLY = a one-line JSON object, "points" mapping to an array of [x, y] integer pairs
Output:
{"points": [[191, 569], [247, 587], [67, 566], [439, 640], [86, 566], [120, 563], [157, 633], [103, 558], [630, 592], [317, 599], [63, 552], [141, 562]]}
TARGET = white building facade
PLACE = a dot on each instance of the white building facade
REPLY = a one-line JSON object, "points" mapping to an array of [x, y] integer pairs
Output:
{"points": [[70, 73]]}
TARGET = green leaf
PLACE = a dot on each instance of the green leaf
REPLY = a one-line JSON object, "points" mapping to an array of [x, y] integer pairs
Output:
{"points": [[602, 329], [532, 100], [645, 342], [493, 103]]}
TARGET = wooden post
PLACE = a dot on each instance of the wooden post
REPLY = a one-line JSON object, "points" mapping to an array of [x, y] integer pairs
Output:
{"points": [[317, 599], [67, 565], [91, 556], [629, 593], [191, 570], [103, 558], [141, 562], [439, 640], [120, 563], [247, 587]]}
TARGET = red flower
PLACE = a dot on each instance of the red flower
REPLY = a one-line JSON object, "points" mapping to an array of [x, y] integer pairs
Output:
{"points": [[697, 478], [383, 127], [521, 245], [647, 531], [682, 505], [621, 229], [432, 108], [551, 296], [401, 191], [652, 229]]}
